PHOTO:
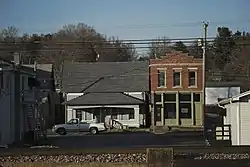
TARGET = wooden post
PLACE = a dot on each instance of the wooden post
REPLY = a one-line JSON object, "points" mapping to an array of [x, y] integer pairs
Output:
{"points": [[160, 157], [177, 109], [192, 109], [110, 119]]}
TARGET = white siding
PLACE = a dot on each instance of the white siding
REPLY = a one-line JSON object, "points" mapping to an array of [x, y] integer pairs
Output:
{"points": [[139, 95], [245, 123], [69, 112], [131, 123], [232, 119], [139, 118], [238, 116]]}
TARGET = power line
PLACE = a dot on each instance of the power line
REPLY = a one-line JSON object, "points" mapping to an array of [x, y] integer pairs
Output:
{"points": [[166, 40], [184, 24], [79, 49]]}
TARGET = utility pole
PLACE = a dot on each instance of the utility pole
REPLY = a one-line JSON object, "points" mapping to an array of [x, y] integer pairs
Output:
{"points": [[17, 72], [204, 47]]}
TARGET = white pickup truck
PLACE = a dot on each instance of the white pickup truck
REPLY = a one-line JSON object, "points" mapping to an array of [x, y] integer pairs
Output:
{"points": [[75, 125]]}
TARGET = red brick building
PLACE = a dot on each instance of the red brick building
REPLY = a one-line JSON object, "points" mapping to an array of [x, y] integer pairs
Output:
{"points": [[176, 90]]}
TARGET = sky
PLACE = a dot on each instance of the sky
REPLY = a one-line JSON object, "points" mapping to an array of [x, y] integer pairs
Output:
{"points": [[127, 19]]}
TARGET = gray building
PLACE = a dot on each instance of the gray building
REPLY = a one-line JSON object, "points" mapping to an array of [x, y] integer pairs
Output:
{"points": [[103, 91], [13, 113]]}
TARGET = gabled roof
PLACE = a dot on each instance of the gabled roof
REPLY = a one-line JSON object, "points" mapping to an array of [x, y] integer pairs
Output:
{"points": [[106, 76], [104, 99], [234, 98]]}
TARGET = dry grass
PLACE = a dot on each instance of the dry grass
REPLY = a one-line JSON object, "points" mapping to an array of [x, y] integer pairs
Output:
{"points": [[74, 165]]}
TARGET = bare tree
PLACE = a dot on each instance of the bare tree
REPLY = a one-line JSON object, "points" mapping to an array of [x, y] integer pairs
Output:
{"points": [[8, 39], [159, 47]]}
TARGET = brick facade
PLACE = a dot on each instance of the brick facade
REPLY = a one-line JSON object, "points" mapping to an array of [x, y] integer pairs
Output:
{"points": [[170, 108], [176, 60]]}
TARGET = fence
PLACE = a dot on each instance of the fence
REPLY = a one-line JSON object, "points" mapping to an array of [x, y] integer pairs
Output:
{"points": [[220, 135]]}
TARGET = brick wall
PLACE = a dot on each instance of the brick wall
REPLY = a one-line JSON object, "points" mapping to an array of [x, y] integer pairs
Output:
{"points": [[169, 63]]}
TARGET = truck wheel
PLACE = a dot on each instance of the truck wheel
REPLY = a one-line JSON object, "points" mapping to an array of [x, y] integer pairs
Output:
{"points": [[61, 131], [93, 131]]}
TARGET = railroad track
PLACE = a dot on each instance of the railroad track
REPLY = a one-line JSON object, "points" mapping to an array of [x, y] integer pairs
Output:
{"points": [[177, 150]]}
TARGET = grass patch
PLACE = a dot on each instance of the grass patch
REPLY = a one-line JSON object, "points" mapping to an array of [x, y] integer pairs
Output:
{"points": [[74, 165]]}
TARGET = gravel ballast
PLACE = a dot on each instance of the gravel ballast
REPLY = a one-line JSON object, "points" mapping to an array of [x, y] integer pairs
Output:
{"points": [[117, 158], [83, 158]]}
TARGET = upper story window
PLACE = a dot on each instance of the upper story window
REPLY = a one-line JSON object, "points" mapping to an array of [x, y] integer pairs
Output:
{"points": [[192, 78], [177, 78], [161, 78]]}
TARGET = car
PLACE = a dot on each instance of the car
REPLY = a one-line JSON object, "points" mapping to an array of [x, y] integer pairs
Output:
{"points": [[76, 126]]}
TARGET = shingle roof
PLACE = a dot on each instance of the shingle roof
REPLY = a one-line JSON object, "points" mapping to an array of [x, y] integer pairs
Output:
{"points": [[104, 99], [106, 77]]}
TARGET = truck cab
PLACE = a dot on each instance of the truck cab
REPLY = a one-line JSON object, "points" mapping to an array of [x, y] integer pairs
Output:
{"points": [[76, 126]]}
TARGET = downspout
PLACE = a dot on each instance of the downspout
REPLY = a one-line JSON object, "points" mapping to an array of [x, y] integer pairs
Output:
{"points": [[238, 125]]}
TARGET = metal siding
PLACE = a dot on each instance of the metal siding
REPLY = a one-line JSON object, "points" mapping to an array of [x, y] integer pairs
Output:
{"points": [[232, 120], [245, 123], [7, 117], [227, 117]]}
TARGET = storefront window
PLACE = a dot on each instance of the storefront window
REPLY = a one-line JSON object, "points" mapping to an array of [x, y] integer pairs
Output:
{"points": [[170, 110]]}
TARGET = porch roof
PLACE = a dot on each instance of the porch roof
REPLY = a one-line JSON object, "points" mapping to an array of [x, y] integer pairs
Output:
{"points": [[104, 99]]}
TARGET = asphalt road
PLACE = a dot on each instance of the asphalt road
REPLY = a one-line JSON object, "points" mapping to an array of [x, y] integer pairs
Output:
{"points": [[126, 140]]}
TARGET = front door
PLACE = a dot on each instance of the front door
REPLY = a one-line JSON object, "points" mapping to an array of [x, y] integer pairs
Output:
{"points": [[84, 127], [158, 114], [72, 126]]}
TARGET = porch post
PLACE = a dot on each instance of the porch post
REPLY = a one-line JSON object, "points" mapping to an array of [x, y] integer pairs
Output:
{"points": [[152, 109], [192, 108], [177, 109], [110, 120], [162, 110]]}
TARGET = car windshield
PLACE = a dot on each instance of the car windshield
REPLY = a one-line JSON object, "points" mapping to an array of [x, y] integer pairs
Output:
{"points": [[73, 121]]}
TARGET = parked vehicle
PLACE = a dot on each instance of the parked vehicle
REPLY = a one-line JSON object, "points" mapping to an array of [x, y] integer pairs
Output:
{"points": [[75, 125]]}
